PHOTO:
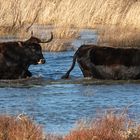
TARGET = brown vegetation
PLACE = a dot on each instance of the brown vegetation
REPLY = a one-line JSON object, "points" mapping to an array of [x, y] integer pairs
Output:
{"points": [[108, 127], [71, 12], [118, 36], [22, 128], [20, 15], [19, 128]]}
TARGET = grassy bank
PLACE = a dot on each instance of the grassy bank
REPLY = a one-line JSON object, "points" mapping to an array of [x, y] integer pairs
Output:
{"points": [[20, 15], [107, 127]]}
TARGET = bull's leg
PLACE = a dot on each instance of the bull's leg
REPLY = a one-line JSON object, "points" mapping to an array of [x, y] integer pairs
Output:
{"points": [[89, 70], [85, 68], [25, 74], [96, 73], [28, 73], [86, 71]]}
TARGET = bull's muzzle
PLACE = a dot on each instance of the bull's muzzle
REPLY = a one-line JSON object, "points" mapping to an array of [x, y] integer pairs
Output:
{"points": [[41, 61]]}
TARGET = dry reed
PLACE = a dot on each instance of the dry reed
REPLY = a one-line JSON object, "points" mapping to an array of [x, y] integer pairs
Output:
{"points": [[14, 128], [118, 36], [71, 12], [125, 15], [108, 127]]}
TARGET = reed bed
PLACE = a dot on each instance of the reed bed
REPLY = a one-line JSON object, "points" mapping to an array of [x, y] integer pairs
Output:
{"points": [[77, 13], [15, 128], [110, 126], [20, 15], [118, 36], [22, 127]]}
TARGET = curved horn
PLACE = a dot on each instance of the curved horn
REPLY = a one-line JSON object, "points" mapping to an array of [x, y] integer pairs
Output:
{"points": [[32, 33], [49, 40]]}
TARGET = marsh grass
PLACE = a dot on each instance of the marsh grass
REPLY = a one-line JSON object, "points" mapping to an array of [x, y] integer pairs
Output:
{"points": [[12, 128], [107, 127], [110, 126], [118, 36], [71, 12], [58, 45], [16, 15]]}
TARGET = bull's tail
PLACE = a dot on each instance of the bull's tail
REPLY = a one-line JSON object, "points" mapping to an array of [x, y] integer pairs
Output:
{"points": [[66, 76]]}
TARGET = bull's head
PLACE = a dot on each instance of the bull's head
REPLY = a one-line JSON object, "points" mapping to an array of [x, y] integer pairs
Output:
{"points": [[35, 55], [33, 50]]}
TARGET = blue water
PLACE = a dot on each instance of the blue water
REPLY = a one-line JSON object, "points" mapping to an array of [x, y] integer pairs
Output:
{"points": [[57, 104]]}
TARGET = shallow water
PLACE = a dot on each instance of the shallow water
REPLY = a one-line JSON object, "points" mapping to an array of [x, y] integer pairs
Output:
{"points": [[57, 104]]}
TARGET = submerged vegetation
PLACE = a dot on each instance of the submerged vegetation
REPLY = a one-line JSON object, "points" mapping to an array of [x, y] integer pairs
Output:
{"points": [[117, 21], [110, 126]]}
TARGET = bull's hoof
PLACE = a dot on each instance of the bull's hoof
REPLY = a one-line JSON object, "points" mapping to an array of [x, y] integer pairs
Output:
{"points": [[28, 73], [66, 76]]}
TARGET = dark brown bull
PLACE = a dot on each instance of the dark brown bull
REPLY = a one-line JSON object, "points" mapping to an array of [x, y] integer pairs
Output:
{"points": [[16, 57], [107, 62]]}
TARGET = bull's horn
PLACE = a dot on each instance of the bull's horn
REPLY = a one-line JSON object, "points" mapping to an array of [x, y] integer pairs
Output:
{"points": [[49, 40], [32, 33]]}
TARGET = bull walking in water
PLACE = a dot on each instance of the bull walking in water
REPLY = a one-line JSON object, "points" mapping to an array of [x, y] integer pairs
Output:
{"points": [[107, 62], [16, 57]]}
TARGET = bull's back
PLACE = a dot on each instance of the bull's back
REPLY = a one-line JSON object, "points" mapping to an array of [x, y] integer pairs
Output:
{"points": [[108, 62], [7, 46], [115, 56]]}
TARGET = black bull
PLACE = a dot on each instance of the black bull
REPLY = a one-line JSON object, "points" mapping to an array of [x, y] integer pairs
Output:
{"points": [[107, 62], [16, 57]]}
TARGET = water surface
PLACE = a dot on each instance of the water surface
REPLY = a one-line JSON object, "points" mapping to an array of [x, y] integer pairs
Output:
{"points": [[57, 104]]}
